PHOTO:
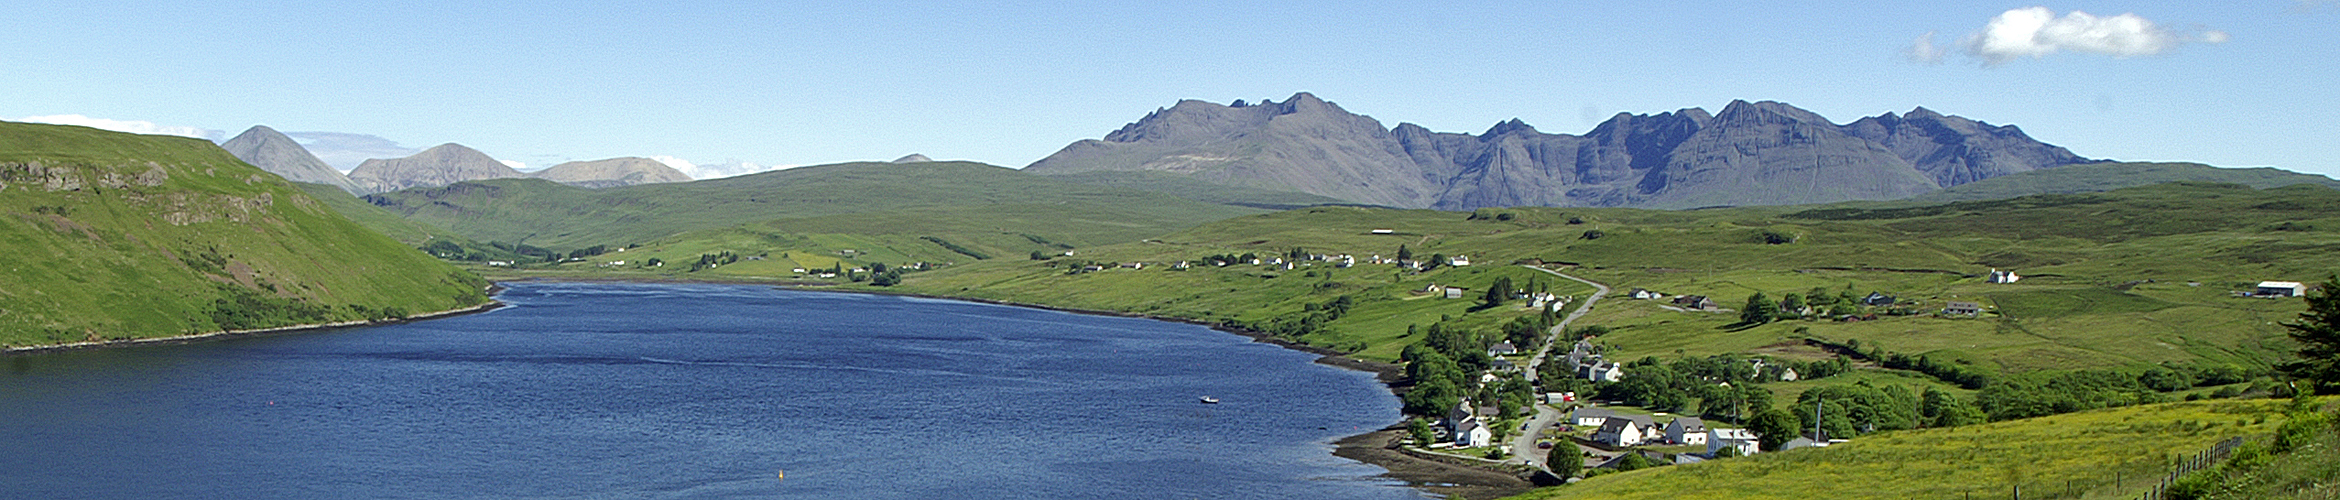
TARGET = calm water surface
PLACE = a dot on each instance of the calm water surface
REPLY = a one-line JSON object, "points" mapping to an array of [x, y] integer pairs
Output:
{"points": [[696, 391]]}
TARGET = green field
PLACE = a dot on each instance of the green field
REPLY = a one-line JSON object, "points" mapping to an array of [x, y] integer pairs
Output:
{"points": [[119, 236], [2115, 453], [863, 198]]}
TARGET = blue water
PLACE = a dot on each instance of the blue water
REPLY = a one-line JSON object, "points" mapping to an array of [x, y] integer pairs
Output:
{"points": [[696, 391]]}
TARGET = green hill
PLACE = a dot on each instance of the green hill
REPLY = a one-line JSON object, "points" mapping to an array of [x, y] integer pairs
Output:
{"points": [[2098, 177], [555, 216], [121, 236], [1188, 187]]}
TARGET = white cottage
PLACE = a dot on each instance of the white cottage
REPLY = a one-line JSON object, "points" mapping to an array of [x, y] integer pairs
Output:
{"points": [[2281, 289], [1473, 433], [1590, 416], [1686, 430], [1717, 439], [1626, 430]]}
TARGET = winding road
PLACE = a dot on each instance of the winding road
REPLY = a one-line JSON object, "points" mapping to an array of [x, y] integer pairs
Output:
{"points": [[1523, 448], [1554, 336]]}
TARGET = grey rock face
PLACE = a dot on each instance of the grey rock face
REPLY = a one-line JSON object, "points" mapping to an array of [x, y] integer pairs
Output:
{"points": [[1758, 153]]}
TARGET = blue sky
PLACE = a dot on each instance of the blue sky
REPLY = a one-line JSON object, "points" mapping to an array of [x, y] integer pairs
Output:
{"points": [[2243, 83]]}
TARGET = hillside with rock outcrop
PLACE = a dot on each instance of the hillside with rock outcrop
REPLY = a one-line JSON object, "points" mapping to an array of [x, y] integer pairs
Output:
{"points": [[115, 236]]}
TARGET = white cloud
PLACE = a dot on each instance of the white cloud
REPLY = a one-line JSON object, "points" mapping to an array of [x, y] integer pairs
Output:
{"points": [[717, 170], [515, 164], [1924, 51], [2037, 32], [131, 126]]}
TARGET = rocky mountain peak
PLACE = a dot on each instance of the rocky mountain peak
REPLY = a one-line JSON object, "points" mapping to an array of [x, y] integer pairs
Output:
{"points": [[438, 166], [276, 153], [1509, 127], [613, 172]]}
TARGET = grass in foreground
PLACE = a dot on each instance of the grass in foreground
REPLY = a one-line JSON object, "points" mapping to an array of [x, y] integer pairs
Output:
{"points": [[2112, 453]]}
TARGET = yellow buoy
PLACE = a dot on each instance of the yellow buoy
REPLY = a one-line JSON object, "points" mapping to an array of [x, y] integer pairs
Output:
{"points": [[783, 475]]}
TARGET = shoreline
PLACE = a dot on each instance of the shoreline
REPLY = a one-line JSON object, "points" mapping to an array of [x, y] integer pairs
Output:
{"points": [[1378, 447], [490, 305]]}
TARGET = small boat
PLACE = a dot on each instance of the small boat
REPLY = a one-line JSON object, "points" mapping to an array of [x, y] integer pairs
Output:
{"points": [[1210, 400]]}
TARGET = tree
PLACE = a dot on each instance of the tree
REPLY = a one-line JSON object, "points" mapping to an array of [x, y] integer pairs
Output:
{"points": [[1791, 306], [1633, 461], [1759, 310], [1758, 400], [1497, 293], [1564, 460], [1772, 428], [2318, 332], [1036, 255], [1420, 428], [1403, 253]]}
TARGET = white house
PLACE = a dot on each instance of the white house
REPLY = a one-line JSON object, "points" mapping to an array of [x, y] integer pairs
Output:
{"points": [[1455, 292], [1503, 348], [1459, 261], [1717, 439], [1998, 276], [1686, 430], [1961, 308], [1646, 294], [2281, 289], [1787, 374], [1604, 372], [1385, 231], [1473, 434], [1626, 430], [1590, 416]]}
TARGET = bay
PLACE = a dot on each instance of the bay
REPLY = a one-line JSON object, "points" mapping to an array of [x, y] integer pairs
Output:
{"points": [[696, 391]]}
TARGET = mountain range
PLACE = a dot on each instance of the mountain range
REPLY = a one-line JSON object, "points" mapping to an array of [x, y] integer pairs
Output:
{"points": [[446, 164], [1751, 153]]}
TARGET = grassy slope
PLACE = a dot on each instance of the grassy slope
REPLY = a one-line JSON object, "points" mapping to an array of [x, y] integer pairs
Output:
{"points": [[561, 217], [365, 214], [125, 255], [2083, 453], [1186, 186], [2076, 248], [2109, 176]]}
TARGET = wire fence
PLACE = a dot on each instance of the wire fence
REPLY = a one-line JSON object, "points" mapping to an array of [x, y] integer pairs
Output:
{"points": [[2199, 461]]}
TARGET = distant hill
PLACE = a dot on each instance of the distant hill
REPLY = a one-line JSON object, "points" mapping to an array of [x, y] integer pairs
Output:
{"points": [[271, 151], [119, 236], [545, 214], [438, 166], [2111, 176], [1759, 153], [612, 172]]}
